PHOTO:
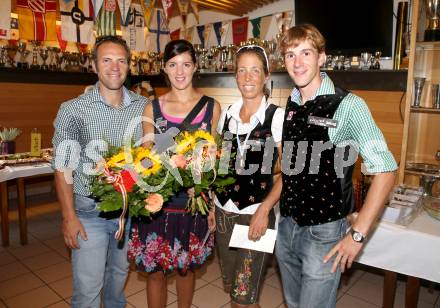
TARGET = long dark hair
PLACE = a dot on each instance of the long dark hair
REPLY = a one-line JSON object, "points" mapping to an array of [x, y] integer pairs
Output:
{"points": [[177, 47]]}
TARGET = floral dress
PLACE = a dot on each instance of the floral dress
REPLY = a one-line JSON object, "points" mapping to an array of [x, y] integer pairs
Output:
{"points": [[172, 239]]}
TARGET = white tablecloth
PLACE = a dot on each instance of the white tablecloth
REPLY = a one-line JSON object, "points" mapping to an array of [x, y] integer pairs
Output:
{"points": [[9, 172], [413, 251]]}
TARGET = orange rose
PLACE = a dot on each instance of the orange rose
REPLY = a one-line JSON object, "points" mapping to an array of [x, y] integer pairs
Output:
{"points": [[153, 203], [179, 161]]}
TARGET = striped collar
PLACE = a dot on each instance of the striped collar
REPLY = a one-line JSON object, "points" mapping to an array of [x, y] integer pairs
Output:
{"points": [[326, 87]]}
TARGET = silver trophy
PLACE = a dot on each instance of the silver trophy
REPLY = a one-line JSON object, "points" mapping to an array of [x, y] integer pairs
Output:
{"points": [[23, 52], [435, 88], [365, 60], [44, 54], [432, 33], [35, 51], [419, 82], [83, 57], [59, 59], [11, 51], [52, 52], [2, 56]]}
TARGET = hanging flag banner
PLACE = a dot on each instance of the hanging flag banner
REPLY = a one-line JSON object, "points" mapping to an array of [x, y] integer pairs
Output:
{"points": [[269, 27], [217, 31], [284, 20], [255, 27], [239, 30], [106, 22], [175, 23], [183, 6], [201, 36], [188, 34], [124, 7], [61, 42], [175, 35], [134, 33], [206, 35], [195, 9], [15, 34], [159, 34], [5, 20], [167, 8], [77, 21], [97, 4], [148, 7], [37, 19], [226, 33]]}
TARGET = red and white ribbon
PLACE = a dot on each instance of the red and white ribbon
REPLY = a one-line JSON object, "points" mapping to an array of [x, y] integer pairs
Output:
{"points": [[117, 179]]}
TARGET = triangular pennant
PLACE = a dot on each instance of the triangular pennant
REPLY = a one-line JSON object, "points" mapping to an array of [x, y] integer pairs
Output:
{"points": [[37, 19], [61, 42], [124, 7], [206, 34], [256, 27], [97, 4], [188, 34], [167, 8], [148, 6], [226, 33], [200, 33], [239, 30], [175, 22], [77, 21], [195, 10], [183, 6], [175, 35], [134, 32], [218, 33], [264, 26], [106, 22], [5, 20], [272, 29], [14, 30]]}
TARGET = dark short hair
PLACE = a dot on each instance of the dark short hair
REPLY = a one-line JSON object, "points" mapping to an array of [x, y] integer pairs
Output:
{"points": [[110, 39], [177, 47]]}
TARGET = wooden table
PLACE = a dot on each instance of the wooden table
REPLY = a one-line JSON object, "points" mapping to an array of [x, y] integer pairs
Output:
{"points": [[19, 174]]}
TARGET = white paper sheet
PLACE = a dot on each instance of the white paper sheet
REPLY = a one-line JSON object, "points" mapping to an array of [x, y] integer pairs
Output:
{"points": [[239, 239]]}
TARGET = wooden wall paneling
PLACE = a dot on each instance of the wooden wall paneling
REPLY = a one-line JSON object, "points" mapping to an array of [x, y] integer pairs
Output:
{"points": [[29, 106]]}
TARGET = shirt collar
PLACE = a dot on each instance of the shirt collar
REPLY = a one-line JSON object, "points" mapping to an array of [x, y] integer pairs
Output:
{"points": [[234, 111], [326, 87], [126, 97]]}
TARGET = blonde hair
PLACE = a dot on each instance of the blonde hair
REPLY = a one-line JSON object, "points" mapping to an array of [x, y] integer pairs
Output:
{"points": [[300, 33]]}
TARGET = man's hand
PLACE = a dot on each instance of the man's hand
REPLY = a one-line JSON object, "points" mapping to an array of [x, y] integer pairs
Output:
{"points": [[258, 225], [71, 228], [347, 250]]}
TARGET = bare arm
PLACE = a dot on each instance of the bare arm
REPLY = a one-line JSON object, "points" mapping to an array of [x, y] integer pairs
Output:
{"points": [[215, 117], [260, 219], [347, 249], [71, 224], [148, 126]]}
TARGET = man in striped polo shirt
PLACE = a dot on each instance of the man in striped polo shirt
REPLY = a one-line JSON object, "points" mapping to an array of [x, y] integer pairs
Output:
{"points": [[84, 127], [325, 128]]}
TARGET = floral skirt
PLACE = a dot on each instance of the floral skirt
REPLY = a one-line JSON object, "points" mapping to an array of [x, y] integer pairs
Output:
{"points": [[171, 240]]}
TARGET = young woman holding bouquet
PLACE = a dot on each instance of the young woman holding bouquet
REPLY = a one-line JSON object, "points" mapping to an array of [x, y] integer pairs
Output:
{"points": [[174, 239], [256, 126]]}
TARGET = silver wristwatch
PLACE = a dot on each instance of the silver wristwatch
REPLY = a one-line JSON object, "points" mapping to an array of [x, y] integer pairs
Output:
{"points": [[357, 236]]}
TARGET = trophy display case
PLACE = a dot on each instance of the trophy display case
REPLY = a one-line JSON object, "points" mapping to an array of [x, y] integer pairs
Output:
{"points": [[420, 143]]}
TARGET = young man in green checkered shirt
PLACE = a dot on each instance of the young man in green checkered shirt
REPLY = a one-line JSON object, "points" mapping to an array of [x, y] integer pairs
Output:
{"points": [[83, 127], [325, 128]]}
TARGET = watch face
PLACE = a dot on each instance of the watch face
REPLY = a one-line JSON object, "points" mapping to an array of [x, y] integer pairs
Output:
{"points": [[357, 236]]}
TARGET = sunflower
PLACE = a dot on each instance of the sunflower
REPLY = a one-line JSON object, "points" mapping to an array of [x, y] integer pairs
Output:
{"points": [[153, 160], [117, 160], [186, 143], [204, 135]]}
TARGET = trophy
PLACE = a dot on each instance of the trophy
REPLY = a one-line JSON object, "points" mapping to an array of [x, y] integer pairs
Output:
{"points": [[83, 57], [35, 48], [432, 33], [11, 51], [419, 82], [230, 61], [2, 57], [23, 52], [134, 67], [52, 51], [90, 67], [365, 60], [375, 61], [436, 95], [44, 54], [59, 59]]}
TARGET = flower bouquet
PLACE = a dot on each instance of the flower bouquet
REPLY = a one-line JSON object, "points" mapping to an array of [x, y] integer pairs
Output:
{"points": [[133, 179], [198, 159]]}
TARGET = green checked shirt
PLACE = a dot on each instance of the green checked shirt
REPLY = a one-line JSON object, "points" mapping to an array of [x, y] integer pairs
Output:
{"points": [[355, 123], [85, 125]]}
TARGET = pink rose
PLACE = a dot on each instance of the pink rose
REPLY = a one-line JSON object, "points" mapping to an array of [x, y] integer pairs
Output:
{"points": [[153, 203], [179, 161]]}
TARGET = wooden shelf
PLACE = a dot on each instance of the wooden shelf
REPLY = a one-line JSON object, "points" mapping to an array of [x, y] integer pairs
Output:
{"points": [[425, 110], [429, 45]]}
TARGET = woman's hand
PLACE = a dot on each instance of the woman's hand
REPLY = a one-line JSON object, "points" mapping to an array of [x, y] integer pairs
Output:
{"points": [[211, 221], [258, 225]]}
